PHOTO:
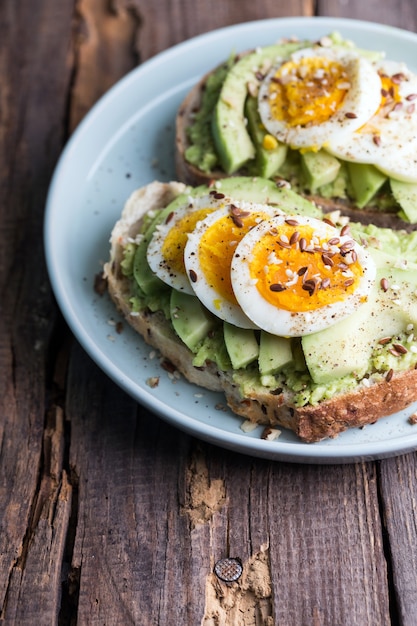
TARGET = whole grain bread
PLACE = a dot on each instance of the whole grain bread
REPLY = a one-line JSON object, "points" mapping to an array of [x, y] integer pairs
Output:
{"points": [[311, 423]]}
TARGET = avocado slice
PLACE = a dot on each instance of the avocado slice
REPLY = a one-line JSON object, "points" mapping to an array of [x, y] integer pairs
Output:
{"points": [[319, 168], [366, 180], [406, 196], [346, 347], [265, 191], [232, 140], [268, 160], [242, 345], [274, 353], [190, 319]]}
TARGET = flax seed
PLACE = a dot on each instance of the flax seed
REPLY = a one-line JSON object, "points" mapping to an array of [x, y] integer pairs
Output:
{"points": [[303, 244], [193, 276], [389, 375], [237, 221], [384, 340], [327, 260], [384, 284], [294, 237]]}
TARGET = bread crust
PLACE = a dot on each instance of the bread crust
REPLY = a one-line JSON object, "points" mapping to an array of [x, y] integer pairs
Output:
{"points": [[311, 423], [192, 175]]}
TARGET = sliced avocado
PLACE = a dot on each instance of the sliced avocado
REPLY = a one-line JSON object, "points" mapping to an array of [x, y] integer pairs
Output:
{"points": [[201, 152], [190, 319], [388, 259], [144, 276], [406, 196], [346, 347], [213, 349], [264, 191], [232, 140], [274, 353], [319, 168], [366, 180], [268, 160], [241, 344]]}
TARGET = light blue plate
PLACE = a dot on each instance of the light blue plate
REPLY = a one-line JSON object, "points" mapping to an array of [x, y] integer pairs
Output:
{"points": [[126, 141]]}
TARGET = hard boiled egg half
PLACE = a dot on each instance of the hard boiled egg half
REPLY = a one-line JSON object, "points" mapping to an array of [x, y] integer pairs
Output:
{"points": [[165, 254], [318, 94], [209, 251], [295, 275], [388, 140]]}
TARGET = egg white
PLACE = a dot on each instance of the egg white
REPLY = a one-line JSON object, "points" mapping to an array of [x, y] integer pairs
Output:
{"points": [[214, 301], [178, 279], [359, 104], [288, 323], [389, 139]]}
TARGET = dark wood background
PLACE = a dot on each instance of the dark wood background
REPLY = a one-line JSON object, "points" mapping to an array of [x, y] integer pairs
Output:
{"points": [[107, 514]]}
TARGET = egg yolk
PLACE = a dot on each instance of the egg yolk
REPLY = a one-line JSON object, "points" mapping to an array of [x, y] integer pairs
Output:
{"points": [[297, 271], [175, 241], [217, 246], [307, 91], [390, 91]]}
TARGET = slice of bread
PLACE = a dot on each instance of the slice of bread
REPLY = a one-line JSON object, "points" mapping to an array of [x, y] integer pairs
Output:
{"points": [[311, 422], [193, 175]]}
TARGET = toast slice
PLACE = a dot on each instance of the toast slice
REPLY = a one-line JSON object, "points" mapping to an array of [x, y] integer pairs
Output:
{"points": [[373, 396], [382, 209]]}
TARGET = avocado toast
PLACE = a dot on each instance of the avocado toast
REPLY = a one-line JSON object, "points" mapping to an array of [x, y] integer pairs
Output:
{"points": [[347, 374], [230, 124]]}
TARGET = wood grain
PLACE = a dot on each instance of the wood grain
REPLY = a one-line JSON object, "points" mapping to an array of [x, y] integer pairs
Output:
{"points": [[107, 514], [33, 502]]}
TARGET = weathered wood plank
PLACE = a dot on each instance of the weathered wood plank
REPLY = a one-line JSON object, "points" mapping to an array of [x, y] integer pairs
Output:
{"points": [[402, 13], [166, 23], [398, 480], [34, 75]]}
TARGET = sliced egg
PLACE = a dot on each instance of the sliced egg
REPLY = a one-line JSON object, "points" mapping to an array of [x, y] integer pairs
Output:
{"points": [[318, 93], [389, 139], [165, 254], [294, 276], [209, 252]]}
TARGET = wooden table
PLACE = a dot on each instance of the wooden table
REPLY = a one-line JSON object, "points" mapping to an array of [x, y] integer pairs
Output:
{"points": [[108, 515]]}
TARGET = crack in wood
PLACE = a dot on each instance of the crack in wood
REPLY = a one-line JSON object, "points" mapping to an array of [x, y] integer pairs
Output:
{"points": [[71, 574], [204, 495], [46, 530]]}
